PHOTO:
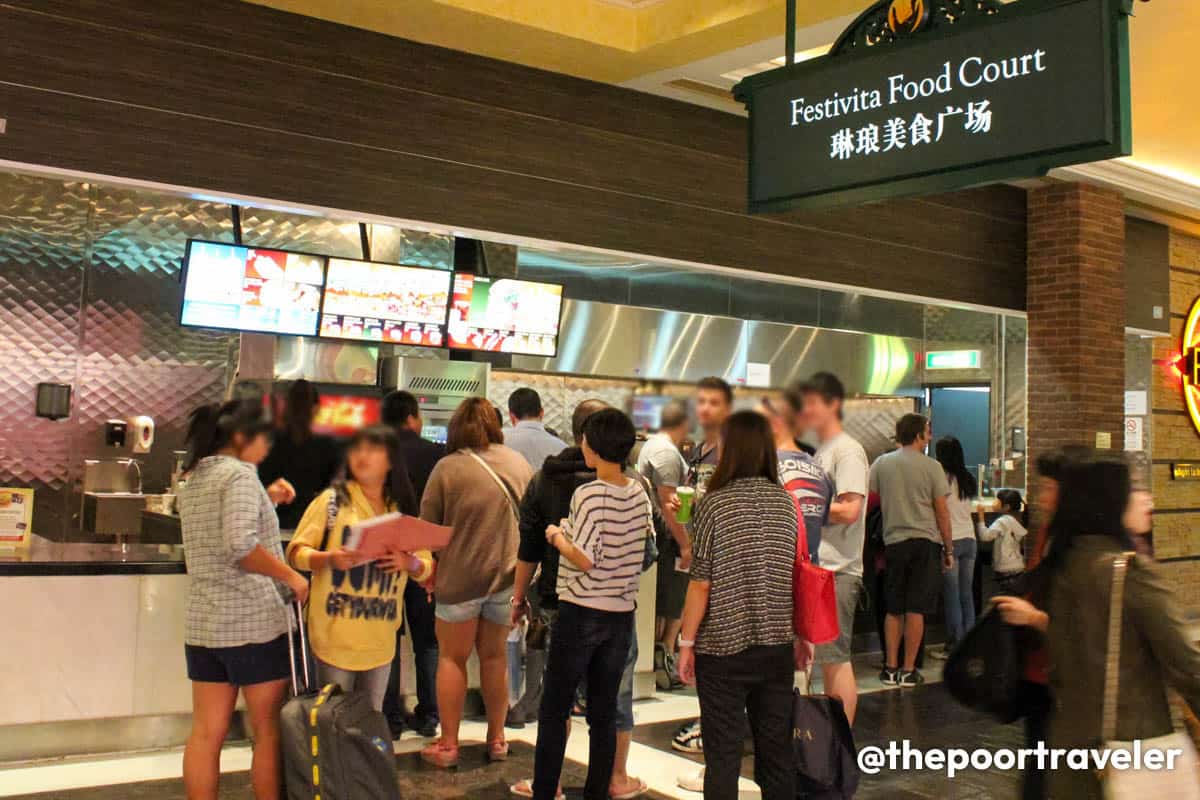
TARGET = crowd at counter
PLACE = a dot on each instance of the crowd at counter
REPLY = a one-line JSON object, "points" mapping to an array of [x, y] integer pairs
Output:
{"points": [[556, 538]]}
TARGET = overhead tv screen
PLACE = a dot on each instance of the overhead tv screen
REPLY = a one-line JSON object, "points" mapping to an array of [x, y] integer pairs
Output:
{"points": [[505, 315], [367, 301], [240, 288]]}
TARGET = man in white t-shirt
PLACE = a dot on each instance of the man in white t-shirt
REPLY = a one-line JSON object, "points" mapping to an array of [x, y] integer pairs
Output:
{"points": [[845, 462], [661, 463]]}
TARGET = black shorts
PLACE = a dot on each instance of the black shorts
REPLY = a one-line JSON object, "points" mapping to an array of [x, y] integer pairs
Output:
{"points": [[671, 585], [244, 665], [913, 582]]}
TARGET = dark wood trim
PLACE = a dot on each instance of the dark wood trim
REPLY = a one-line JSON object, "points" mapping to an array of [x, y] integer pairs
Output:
{"points": [[247, 100]]}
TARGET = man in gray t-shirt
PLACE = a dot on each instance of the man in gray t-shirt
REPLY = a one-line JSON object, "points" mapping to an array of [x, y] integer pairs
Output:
{"points": [[816, 408], [913, 497]]}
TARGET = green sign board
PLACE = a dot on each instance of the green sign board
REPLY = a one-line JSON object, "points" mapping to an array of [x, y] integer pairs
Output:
{"points": [[914, 100], [952, 359]]}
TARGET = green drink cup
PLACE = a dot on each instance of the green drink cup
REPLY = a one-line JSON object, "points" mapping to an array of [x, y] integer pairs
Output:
{"points": [[686, 495]]}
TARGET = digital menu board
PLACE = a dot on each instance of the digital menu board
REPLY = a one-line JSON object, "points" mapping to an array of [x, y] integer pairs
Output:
{"points": [[251, 289], [505, 315], [371, 302]]}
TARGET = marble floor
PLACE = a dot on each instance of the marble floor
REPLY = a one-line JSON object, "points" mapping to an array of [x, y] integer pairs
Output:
{"points": [[927, 716]]}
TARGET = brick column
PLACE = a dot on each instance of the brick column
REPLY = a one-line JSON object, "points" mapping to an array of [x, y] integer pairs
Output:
{"points": [[1076, 306]]}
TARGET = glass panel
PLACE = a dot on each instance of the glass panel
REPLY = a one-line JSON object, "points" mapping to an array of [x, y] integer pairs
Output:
{"points": [[774, 302], [850, 311], [679, 290]]}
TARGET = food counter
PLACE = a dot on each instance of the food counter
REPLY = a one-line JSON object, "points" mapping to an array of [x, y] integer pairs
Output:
{"points": [[92, 656]]}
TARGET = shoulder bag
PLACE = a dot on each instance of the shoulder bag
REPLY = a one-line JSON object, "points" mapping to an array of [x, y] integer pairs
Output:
{"points": [[1139, 782], [814, 591], [814, 600], [984, 670], [513, 504]]}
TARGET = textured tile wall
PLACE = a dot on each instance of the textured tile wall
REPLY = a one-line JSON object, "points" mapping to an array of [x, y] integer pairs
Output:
{"points": [[43, 249], [90, 294]]}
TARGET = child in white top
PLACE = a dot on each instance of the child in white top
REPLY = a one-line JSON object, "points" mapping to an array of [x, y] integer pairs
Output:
{"points": [[1008, 560]]}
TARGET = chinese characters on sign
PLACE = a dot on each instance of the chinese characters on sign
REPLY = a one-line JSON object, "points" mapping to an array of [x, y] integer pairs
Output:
{"points": [[898, 133], [978, 97]]}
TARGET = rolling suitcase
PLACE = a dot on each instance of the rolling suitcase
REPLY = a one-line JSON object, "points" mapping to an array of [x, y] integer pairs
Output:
{"points": [[336, 746]]}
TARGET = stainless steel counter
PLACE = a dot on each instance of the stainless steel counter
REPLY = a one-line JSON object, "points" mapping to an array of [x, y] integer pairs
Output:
{"points": [[44, 557]]}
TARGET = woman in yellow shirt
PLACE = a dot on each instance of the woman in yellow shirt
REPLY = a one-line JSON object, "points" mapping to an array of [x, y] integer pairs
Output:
{"points": [[355, 608]]}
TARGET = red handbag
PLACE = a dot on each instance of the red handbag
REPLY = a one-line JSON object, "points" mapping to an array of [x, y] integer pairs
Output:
{"points": [[814, 599]]}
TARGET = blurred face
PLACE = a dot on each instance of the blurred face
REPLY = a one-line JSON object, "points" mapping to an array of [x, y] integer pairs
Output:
{"points": [[780, 429], [818, 412], [927, 437], [252, 450], [711, 409], [1139, 513], [1047, 496], [369, 462]]}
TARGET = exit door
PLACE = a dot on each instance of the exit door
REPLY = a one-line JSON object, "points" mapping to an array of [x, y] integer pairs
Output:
{"points": [[963, 412]]}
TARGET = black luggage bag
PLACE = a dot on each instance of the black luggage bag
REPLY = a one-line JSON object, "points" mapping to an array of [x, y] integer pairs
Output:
{"points": [[336, 746]]}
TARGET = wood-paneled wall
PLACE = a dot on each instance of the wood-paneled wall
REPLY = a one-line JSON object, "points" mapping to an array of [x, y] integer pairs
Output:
{"points": [[232, 97]]}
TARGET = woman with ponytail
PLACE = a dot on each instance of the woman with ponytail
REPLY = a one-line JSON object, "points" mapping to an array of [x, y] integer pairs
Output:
{"points": [[239, 589]]}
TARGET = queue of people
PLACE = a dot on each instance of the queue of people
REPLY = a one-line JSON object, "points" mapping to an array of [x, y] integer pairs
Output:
{"points": [[557, 537]]}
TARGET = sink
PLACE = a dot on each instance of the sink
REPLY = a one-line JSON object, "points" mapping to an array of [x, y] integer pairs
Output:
{"points": [[113, 513]]}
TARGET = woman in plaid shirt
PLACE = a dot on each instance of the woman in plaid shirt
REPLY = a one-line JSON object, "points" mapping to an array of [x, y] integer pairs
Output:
{"points": [[237, 615]]}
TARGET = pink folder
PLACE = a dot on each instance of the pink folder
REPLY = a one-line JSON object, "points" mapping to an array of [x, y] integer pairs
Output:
{"points": [[396, 532]]}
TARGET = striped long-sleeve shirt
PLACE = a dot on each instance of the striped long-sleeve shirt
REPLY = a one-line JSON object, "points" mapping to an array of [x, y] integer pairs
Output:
{"points": [[609, 524]]}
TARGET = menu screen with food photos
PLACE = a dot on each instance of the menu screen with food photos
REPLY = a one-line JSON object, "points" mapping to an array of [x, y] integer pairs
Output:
{"points": [[252, 289], [371, 302], [504, 315]]}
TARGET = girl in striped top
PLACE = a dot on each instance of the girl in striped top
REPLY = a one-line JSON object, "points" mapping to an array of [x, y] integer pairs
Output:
{"points": [[602, 545]]}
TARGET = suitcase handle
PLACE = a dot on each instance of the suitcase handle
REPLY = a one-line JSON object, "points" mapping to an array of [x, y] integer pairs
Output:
{"points": [[303, 651]]}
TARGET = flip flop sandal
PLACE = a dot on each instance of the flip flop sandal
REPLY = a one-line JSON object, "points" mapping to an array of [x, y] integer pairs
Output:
{"points": [[642, 788], [525, 789]]}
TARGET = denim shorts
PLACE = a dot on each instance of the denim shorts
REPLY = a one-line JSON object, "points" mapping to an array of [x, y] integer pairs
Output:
{"points": [[625, 693], [494, 608]]}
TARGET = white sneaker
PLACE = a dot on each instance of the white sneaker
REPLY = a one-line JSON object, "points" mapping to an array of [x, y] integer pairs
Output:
{"points": [[691, 781]]}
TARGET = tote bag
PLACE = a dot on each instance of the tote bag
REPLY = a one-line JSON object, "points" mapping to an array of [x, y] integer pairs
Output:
{"points": [[1181, 783], [823, 746], [814, 601]]}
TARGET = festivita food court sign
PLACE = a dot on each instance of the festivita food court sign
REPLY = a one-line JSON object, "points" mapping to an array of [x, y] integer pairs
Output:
{"points": [[919, 96]]}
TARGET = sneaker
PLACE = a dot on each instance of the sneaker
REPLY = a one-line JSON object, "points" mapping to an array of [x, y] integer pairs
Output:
{"points": [[425, 726], [911, 679], [889, 676], [691, 781], [662, 668], [688, 740], [667, 678]]}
